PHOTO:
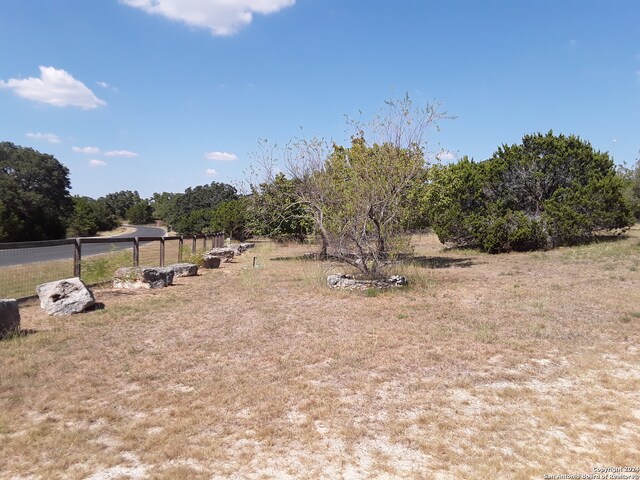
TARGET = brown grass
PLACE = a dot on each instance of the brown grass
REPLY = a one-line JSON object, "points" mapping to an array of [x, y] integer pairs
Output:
{"points": [[511, 366]]}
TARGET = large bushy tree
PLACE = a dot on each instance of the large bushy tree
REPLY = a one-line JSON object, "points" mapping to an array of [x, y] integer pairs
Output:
{"points": [[548, 191], [360, 196], [191, 212], [275, 211], [232, 218], [89, 217], [119, 202], [140, 213], [34, 195]]}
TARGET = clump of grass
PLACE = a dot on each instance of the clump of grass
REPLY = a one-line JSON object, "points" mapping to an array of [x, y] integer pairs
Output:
{"points": [[101, 268], [189, 256]]}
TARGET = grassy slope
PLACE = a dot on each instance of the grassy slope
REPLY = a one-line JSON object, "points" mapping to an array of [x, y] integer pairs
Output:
{"points": [[511, 366]]}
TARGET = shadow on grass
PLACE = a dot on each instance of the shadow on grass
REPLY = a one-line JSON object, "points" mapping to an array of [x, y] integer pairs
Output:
{"points": [[439, 262], [23, 332], [419, 261]]}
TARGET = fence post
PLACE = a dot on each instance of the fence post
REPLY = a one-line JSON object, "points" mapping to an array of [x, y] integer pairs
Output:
{"points": [[180, 245], [162, 251], [77, 257], [204, 242], [136, 252], [193, 244]]}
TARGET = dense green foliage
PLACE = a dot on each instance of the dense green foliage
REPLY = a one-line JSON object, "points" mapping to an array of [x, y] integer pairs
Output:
{"points": [[276, 212], [232, 218], [140, 213], [191, 212], [546, 192], [119, 202], [34, 195], [89, 217], [631, 180]]}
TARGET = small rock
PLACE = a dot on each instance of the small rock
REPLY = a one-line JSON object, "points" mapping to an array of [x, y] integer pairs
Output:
{"points": [[9, 317], [211, 261], [142, 277], [184, 269], [64, 297]]}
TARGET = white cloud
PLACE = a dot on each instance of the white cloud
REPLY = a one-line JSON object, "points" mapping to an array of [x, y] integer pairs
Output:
{"points": [[49, 137], [221, 156], [55, 87], [211, 172], [86, 150], [445, 156], [120, 153], [103, 84], [221, 17], [97, 163]]}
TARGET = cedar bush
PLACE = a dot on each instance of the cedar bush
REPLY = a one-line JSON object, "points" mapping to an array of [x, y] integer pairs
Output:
{"points": [[546, 192]]}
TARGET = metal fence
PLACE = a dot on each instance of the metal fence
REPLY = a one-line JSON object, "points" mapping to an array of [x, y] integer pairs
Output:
{"points": [[25, 265]]}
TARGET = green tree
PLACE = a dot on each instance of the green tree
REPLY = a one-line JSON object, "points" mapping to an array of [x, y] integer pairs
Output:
{"points": [[192, 210], [359, 197], [82, 222], [276, 211], [232, 218], [164, 206], [631, 179], [89, 217], [545, 192], [119, 202], [140, 213], [34, 192]]}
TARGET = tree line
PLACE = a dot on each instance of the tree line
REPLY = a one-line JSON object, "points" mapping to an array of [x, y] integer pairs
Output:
{"points": [[361, 201]]}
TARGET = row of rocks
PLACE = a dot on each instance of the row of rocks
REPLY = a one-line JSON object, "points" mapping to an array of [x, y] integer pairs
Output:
{"points": [[216, 255], [71, 295], [340, 280]]}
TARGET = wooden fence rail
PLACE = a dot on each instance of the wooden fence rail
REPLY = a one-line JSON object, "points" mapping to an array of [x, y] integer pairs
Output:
{"points": [[216, 240]]}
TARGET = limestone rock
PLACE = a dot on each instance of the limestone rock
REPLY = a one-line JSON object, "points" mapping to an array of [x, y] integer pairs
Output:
{"points": [[226, 253], [184, 269], [211, 261], [64, 297], [142, 277], [341, 280], [241, 247], [9, 317]]}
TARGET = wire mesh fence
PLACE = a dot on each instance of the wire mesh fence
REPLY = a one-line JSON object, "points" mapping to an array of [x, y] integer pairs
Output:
{"points": [[25, 265]]}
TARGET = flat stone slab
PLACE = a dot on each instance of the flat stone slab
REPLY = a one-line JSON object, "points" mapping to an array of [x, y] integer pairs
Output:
{"points": [[226, 253], [65, 297], [9, 317], [133, 278], [211, 261], [184, 269], [241, 247], [341, 280]]}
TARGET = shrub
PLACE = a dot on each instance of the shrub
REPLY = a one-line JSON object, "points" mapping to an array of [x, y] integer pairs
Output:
{"points": [[548, 191]]}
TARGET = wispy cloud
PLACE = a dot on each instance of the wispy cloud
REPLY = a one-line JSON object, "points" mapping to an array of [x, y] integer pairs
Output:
{"points": [[221, 17], [221, 156], [94, 163], [49, 137], [86, 150], [54, 87], [120, 153], [210, 172]]}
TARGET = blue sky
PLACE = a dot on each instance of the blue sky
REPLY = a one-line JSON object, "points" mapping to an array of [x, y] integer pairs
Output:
{"points": [[160, 95]]}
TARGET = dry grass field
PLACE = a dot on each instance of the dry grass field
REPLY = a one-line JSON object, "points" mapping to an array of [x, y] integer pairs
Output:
{"points": [[507, 367]]}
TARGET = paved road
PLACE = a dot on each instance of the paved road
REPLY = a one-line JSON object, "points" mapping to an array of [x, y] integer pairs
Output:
{"points": [[34, 255]]}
